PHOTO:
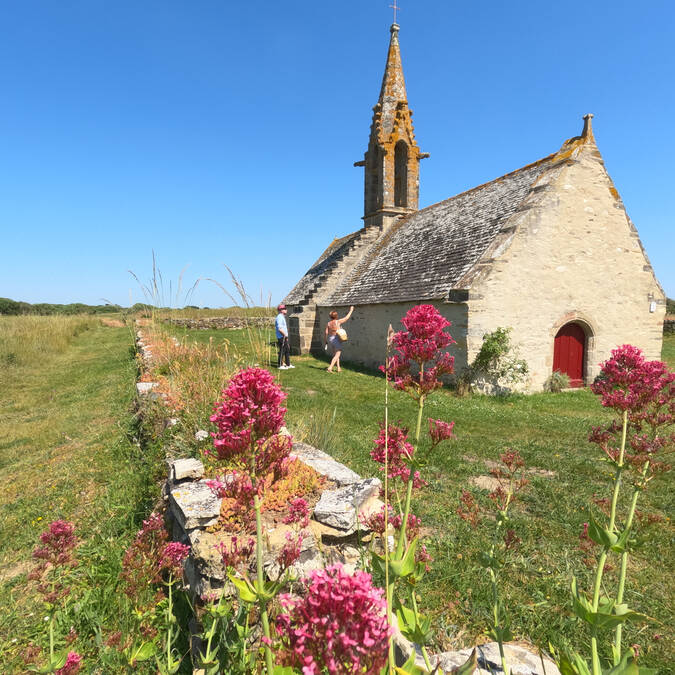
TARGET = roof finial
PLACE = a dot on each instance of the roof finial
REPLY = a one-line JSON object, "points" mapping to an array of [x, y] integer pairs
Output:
{"points": [[395, 7], [587, 133]]}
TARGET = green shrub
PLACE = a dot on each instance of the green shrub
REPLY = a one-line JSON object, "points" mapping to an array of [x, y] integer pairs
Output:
{"points": [[556, 382]]}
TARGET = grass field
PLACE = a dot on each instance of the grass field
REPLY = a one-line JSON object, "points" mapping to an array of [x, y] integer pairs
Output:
{"points": [[340, 414], [68, 450]]}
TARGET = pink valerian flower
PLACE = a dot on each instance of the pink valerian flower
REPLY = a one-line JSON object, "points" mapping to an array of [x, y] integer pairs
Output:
{"points": [[420, 344], [511, 480], [140, 564], [375, 521], [172, 557], [468, 508], [645, 390], [423, 556], [394, 442], [58, 543], [298, 512], [237, 553], [290, 551], [236, 485], [440, 431], [413, 527], [249, 413], [628, 383], [72, 665], [338, 626]]}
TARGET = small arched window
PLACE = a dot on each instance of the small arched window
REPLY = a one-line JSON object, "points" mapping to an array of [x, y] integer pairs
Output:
{"points": [[401, 174]]}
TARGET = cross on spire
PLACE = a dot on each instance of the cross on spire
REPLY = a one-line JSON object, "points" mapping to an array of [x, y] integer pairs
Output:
{"points": [[395, 7]]}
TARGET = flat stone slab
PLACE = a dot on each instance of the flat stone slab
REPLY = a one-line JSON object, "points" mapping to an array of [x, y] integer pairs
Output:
{"points": [[194, 505], [521, 661], [340, 508], [144, 388], [187, 468], [324, 464]]}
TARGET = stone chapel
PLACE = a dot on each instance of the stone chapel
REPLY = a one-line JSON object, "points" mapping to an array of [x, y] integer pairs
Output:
{"points": [[547, 250]]}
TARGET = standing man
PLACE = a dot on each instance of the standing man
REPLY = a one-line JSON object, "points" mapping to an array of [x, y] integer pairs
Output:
{"points": [[282, 339]]}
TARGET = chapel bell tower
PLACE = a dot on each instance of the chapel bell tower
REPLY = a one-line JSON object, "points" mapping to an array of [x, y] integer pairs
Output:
{"points": [[392, 161]]}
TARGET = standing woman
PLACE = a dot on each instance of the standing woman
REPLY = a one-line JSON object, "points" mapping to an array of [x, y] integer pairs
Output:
{"points": [[332, 341]]}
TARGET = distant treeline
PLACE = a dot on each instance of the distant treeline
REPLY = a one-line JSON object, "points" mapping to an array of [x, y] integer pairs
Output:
{"points": [[15, 307]]}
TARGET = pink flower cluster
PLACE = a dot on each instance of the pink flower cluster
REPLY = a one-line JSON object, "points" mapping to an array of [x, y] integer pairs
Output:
{"points": [[628, 382], [290, 551], [645, 390], [72, 665], [392, 444], [237, 553], [58, 543], [298, 512], [250, 412], [338, 625], [440, 431], [421, 344], [172, 556]]}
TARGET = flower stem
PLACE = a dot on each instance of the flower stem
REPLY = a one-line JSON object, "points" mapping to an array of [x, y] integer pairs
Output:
{"points": [[391, 662], [597, 670], [259, 569], [427, 662], [168, 620], [400, 547], [624, 566]]}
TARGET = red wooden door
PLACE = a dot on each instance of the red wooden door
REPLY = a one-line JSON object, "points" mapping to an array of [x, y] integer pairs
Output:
{"points": [[568, 353]]}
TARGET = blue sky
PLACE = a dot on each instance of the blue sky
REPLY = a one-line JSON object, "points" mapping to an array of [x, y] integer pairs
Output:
{"points": [[221, 133]]}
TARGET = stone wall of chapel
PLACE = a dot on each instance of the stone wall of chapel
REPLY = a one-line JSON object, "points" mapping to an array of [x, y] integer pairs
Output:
{"points": [[573, 256], [367, 330]]}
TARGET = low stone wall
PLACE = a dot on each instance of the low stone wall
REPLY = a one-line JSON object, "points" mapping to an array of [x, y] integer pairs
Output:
{"points": [[334, 534], [222, 322]]}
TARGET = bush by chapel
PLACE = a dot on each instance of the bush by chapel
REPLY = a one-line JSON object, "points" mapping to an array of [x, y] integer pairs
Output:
{"points": [[547, 250]]}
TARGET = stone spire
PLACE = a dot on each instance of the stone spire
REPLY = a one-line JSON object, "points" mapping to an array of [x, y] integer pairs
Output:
{"points": [[392, 159]]}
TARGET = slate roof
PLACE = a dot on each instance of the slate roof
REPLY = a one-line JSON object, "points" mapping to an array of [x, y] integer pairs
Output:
{"points": [[426, 254], [326, 261]]}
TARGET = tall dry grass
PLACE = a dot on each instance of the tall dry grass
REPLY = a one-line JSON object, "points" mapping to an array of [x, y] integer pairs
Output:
{"points": [[191, 374], [29, 339]]}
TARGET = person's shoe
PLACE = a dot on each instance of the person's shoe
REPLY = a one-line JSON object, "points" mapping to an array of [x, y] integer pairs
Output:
{"points": [[283, 367], [291, 366]]}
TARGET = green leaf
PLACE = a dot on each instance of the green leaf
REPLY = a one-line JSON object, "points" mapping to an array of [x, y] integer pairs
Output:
{"points": [[415, 628], [469, 666], [601, 535], [247, 593], [410, 667], [626, 666], [285, 670], [621, 542], [405, 566], [144, 652]]}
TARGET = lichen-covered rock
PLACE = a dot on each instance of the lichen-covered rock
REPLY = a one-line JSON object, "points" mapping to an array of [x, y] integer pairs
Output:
{"points": [[324, 464], [184, 469], [521, 661], [341, 508], [144, 388], [194, 505]]}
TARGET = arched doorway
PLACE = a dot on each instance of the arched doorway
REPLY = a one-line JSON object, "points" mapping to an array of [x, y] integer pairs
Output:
{"points": [[569, 350]]}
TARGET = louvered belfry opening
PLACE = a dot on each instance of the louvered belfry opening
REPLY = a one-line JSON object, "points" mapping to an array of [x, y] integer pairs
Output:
{"points": [[401, 174]]}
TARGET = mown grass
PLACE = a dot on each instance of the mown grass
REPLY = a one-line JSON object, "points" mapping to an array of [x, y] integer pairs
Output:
{"points": [[340, 414], [67, 450]]}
